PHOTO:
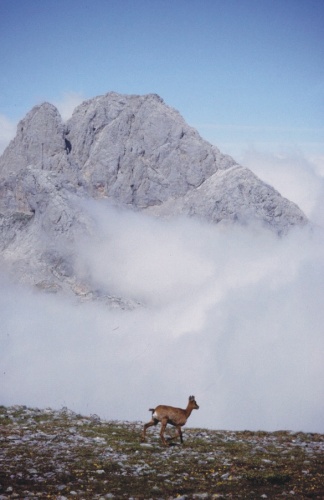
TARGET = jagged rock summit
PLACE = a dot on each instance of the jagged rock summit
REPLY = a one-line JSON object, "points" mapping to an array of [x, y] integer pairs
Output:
{"points": [[139, 151], [134, 151]]}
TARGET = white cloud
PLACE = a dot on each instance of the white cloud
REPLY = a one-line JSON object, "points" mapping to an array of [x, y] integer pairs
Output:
{"points": [[67, 103], [232, 315], [7, 132], [318, 161]]}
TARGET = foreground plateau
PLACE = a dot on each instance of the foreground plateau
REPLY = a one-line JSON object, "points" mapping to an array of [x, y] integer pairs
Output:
{"points": [[62, 455]]}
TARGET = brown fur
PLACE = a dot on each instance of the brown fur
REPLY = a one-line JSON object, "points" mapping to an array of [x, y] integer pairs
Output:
{"points": [[170, 415]]}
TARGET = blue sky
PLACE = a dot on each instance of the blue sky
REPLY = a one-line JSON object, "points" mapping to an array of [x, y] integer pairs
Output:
{"points": [[243, 72]]}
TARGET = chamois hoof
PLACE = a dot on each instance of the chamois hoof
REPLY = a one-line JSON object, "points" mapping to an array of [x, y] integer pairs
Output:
{"points": [[171, 443]]}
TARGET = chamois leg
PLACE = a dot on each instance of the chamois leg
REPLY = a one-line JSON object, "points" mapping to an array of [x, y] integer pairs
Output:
{"points": [[149, 424], [164, 422], [179, 433]]}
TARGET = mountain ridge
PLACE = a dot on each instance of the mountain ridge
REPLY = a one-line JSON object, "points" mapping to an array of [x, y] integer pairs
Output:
{"points": [[132, 151]]}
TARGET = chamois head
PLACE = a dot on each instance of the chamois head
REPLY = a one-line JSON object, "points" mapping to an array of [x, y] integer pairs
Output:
{"points": [[193, 403]]}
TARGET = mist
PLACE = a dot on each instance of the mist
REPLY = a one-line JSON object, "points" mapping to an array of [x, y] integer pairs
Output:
{"points": [[233, 315], [296, 176]]}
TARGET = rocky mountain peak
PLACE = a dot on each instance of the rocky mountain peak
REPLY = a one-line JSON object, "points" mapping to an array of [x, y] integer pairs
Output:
{"points": [[39, 140], [134, 151], [137, 150]]}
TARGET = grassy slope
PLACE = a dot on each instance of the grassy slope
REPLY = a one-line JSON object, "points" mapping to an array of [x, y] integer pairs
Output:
{"points": [[58, 454]]}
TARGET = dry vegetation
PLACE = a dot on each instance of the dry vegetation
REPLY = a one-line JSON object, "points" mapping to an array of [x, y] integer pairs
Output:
{"points": [[62, 455]]}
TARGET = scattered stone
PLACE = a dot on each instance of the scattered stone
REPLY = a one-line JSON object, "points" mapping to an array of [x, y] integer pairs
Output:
{"points": [[76, 462], [146, 445]]}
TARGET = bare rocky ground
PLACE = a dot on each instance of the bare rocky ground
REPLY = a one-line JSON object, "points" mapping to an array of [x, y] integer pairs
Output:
{"points": [[61, 455]]}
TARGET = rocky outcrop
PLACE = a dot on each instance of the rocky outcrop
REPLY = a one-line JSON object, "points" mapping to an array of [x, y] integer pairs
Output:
{"points": [[134, 151], [235, 195], [138, 151], [39, 141]]}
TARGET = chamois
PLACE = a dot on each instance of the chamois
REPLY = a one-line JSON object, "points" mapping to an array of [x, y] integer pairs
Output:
{"points": [[170, 415]]}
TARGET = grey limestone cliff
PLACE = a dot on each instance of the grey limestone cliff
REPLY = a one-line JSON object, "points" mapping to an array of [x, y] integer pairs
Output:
{"points": [[134, 151]]}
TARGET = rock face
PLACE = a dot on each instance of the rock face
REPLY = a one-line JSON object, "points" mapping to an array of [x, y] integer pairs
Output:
{"points": [[132, 150], [138, 151], [235, 195]]}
